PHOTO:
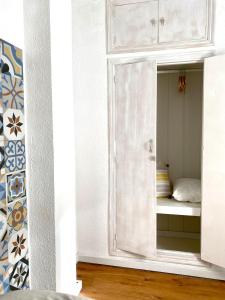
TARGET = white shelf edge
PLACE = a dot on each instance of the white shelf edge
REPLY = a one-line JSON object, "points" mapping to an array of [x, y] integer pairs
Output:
{"points": [[173, 207]]}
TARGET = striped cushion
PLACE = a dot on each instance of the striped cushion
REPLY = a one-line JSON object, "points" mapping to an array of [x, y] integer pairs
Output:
{"points": [[162, 184]]}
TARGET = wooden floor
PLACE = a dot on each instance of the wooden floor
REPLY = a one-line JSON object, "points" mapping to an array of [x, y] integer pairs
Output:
{"points": [[110, 283]]}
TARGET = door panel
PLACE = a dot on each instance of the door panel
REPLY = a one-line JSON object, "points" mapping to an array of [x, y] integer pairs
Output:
{"points": [[133, 24], [135, 102], [213, 171], [181, 21]]}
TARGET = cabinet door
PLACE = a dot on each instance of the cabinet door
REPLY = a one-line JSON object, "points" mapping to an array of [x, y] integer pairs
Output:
{"points": [[183, 21], [132, 24], [213, 171], [135, 135]]}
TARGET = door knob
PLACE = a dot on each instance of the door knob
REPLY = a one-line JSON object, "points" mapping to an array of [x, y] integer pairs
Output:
{"points": [[152, 158], [162, 21]]}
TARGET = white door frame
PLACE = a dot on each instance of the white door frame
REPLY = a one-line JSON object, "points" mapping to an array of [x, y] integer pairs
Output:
{"points": [[189, 57]]}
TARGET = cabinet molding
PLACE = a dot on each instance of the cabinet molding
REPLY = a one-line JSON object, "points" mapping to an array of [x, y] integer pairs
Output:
{"points": [[135, 31], [132, 124], [182, 58]]}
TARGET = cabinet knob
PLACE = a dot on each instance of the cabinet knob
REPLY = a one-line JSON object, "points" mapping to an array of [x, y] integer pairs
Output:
{"points": [[153, 22], [152, 158], [162, 21]]}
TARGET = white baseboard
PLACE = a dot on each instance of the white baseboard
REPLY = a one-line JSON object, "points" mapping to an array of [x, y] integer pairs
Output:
{"points": [[157, 266], [78, 287]]}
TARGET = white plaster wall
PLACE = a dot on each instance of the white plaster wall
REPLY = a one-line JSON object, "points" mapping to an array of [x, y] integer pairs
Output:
{"points": [[39, 144], [90, 82], [64, 145], [11, 22]]}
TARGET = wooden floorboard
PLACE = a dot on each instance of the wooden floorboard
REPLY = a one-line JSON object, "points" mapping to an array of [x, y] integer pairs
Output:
{"points": [[111, 283]]}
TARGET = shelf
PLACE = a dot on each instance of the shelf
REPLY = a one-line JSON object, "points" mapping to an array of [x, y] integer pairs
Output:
{"points": [[179, 244], [173, 207]]}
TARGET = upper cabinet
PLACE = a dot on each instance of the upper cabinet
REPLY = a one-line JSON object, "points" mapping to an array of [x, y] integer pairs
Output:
{"points": [[133, 24], [183, 21], [139, 25]]}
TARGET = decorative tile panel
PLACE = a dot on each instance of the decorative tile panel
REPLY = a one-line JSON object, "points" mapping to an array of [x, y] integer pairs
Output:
{"points": [[14, 261], [4, 278], [17, 216], [12, 92], [14, 156], [13, 124], [12, 56], [2, 155], [2, 194], [19, 274], [3, 228], [15, 186], [1, 123], [18, 246]]}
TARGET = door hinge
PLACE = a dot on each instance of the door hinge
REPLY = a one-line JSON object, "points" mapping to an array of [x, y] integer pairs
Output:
{"points": [[115, 237], [114, 79]]}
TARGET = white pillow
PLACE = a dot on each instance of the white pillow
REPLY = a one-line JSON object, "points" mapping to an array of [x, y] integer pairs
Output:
{"points": [[38, 295], [187, 189]]}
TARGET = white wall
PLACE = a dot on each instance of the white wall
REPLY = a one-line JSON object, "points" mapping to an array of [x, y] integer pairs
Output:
{"points": [[90, 83], [92, 141], [92, 129], [11, 21], [39, 144], [64, 145]]}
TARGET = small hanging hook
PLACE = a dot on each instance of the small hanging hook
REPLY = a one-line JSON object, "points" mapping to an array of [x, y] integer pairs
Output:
{"points": [[182, 83]]}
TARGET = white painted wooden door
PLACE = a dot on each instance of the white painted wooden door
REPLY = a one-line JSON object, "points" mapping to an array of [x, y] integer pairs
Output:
{"points": [[213, 171], [182, 20], [135, 131], [133, 24]]}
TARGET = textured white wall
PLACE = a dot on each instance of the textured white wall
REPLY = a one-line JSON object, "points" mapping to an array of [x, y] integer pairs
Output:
{"points": [[40, 172], [91, 119], [11, 21]]}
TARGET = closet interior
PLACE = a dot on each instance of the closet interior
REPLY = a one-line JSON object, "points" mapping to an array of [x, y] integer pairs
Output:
{"points": [[179, 148]]}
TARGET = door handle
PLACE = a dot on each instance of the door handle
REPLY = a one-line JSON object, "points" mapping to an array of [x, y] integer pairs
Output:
{"points": [[162, 21], [151, 146], [153, 22]]}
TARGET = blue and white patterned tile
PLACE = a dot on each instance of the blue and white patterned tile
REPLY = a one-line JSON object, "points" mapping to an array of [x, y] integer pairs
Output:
{"points": [[1, 102], [3, 226], [12, 92], [2, 155], [2, 191], [3, 237], [12, 56], [4, 278], [14, 265], [13, 124], [15, 186], [1, 124], [18, 246], [14, 156], [17, 216], [19, 274], [2, 194]]}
